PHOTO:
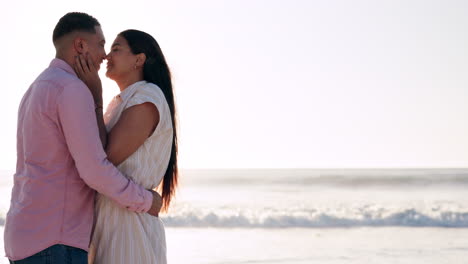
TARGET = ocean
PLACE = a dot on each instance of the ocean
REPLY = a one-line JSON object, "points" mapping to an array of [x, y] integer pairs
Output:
{"points": [[293, 216]]}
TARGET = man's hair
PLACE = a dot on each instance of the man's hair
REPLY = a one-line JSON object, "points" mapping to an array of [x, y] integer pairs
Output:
{"points": [[74, 21]]}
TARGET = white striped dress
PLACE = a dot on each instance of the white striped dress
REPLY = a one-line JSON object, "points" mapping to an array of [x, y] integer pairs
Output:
{"points": [[121, 236]]}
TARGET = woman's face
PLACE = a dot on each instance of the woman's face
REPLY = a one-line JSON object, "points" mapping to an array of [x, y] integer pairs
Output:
{"points": [[120, 60]]}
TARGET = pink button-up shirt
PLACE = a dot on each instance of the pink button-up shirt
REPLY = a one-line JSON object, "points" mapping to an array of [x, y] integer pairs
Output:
{"points": [[60, 161]]}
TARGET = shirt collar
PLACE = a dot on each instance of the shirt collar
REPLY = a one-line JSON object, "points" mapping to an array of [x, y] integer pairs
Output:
{"points": [[61, 64], [128, 92]]}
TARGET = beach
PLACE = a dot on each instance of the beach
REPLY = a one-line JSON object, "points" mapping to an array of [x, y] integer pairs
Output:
{"points": [[311, 216], [335, 245], [305, 246]]}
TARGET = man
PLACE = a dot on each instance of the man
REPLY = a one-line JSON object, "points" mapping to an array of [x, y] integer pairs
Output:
{"points": [[60, 159]]}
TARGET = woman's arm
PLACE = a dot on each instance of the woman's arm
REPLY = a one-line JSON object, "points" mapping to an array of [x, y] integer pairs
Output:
{"points": [[87, 72], [101, 126], [135, 125]]}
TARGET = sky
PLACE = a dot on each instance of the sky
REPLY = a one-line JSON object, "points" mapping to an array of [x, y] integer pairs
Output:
{"points": [[281, 84]]}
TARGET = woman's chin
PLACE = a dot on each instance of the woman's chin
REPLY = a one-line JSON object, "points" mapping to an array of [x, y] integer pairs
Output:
{"points": [[109, 75]]}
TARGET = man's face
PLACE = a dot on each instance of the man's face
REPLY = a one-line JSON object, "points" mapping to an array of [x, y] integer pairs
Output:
{"points": [[95, 46]]}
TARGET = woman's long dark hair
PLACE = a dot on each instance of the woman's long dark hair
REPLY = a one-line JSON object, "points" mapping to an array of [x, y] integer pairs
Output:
{"points": [[155, 70]]}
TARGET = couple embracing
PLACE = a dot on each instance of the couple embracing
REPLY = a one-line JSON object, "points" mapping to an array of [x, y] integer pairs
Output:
{"points": [[85, 180]]}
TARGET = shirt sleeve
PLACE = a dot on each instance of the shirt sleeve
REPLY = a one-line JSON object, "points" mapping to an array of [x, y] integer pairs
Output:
{"points": [[78, 121], [146, 95]]}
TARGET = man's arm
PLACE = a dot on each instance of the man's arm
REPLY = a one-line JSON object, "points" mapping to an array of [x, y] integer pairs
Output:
{"points": [[77, 118]]}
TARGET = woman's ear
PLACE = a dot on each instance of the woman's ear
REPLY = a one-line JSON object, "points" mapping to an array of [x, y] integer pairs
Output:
{"points": [[141, 58]]}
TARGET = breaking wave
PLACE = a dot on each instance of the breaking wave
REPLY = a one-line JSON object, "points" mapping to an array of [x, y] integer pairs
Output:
{"points": [[316, 219]]}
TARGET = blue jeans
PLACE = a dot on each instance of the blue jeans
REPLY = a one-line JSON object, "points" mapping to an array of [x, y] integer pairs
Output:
{"points": [[56, 254]]}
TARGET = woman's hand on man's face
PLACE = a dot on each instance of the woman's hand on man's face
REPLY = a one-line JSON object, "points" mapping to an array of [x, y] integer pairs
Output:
{"points": [[88, 73]]}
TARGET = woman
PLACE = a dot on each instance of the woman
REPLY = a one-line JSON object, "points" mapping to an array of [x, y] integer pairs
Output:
{"points": [[141, 142]]}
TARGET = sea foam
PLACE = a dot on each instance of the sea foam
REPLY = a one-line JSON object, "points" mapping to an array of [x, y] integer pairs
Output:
{"points": [[320, 218]]}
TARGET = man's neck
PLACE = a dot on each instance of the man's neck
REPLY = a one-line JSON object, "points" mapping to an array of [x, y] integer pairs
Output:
{"points": [[70, 60]]}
